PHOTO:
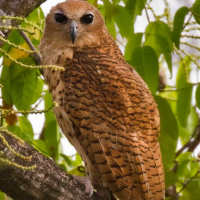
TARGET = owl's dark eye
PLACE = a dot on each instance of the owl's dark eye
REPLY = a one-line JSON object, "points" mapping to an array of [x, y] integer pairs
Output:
{"points": [[60, 18], [87, 19]]}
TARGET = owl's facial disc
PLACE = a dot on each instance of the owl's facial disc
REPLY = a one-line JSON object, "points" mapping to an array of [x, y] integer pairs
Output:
{"points": [[73, 31]]}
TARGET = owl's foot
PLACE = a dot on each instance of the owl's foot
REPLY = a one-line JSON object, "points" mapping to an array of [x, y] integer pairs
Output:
{"points": [[103, 192], [88, 184]]}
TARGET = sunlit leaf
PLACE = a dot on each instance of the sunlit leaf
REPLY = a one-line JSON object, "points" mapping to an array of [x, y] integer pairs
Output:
{"points": [[111, 27], [183, 167], [52, 137], [197, 96], [158, 35], [5, 81], [51, 132], [38, 90], [193, 119], [169, 132], [145, 61], [26, 128], [124, 21], [178, 24], [170, 178], [196, 11], [49, 116], [40, 145], [2, 196], [22, 90], [184, 95], [134, 42], [192, 190], [109, 9], [135, 7], [67, 160], [16, 130]]}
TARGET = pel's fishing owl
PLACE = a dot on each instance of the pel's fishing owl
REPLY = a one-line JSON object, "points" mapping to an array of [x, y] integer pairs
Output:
{"points": [[105, 109]]}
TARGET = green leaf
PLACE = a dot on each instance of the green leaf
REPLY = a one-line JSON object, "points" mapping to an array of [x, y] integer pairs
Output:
{"points": [[40, 145], [16, 130], [193, 119], [170, 178], [124, 21], [67, 160], [184, 95], [135, 7], [38, 90], [184, 134], [145, 61], [178, 24], [158, 36], [183, 104], [26, 128], [183, 167], [5, 81], [188, 166], [77, 172], [196, 11], [109, 9], [52, 137], [110, 24], [51, 132], [116, 1], [197, 96], [169, 132], [134, 42], [2, 196], [192, 190], [36, 17], [49, 116], [22, 90]]}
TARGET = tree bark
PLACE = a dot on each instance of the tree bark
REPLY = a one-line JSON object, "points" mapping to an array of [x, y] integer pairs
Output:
{"points": [[27, 174], [20, 8]]}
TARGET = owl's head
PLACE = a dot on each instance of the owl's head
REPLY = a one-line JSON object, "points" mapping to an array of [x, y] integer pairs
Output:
{"points": [[76, 23]]}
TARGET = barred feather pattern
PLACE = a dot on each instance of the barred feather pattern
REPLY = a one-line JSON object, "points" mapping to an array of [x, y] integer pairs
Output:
{"points": [[108, 113]]}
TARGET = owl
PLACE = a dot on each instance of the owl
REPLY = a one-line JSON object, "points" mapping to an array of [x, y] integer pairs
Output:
{"points": [[105, 109]]}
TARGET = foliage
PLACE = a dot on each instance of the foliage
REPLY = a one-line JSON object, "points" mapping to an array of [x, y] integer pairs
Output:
{"points": [[166, 55]]}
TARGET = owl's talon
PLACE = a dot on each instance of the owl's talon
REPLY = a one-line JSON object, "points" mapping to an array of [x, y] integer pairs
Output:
{"points": [[103, 192], [88, 184]]}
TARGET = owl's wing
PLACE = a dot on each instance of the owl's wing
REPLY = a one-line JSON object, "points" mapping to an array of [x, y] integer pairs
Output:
{"points": [[117, 124]]}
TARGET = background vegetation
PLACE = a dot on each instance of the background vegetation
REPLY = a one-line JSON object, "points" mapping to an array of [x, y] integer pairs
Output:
{"points": [[166, 55]]}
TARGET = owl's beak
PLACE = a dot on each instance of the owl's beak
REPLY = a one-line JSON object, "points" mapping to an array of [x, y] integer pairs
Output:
{"points": [[73, 31]]}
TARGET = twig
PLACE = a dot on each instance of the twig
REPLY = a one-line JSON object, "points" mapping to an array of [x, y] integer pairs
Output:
{"points": [[187, 182], [8, 112], [16, 28], [53, 67], [16, 46], [187, 23], [22, 20], [147, 14], [179, 89], [37, 56], [183, 62], [191, 145]]}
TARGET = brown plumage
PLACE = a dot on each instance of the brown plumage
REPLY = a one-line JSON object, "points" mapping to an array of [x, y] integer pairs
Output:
{"points": [[105, 109]]}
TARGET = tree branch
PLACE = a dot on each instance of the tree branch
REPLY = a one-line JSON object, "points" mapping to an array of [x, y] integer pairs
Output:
{"points": [[20, 8], [27, 174], [192, 143], [36, 56]]}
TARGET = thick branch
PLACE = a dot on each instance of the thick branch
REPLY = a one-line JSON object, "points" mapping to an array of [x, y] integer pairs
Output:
{"points": [[16, 8], [36, 177]]}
